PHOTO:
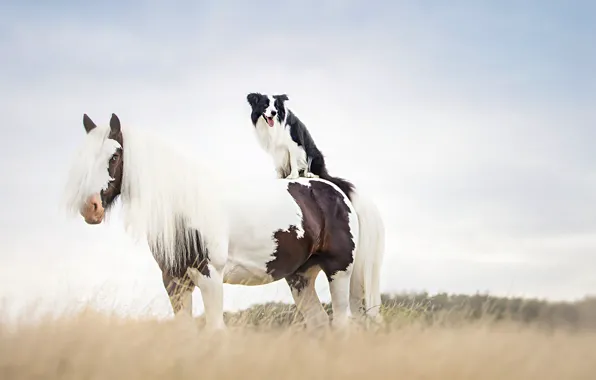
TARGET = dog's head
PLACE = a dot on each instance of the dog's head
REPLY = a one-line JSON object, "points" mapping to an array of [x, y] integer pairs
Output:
{"points": [[267, 109]]}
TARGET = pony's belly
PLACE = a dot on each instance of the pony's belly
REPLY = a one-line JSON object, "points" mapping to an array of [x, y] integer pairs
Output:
{"points": [[249, 250], [245, 272]]}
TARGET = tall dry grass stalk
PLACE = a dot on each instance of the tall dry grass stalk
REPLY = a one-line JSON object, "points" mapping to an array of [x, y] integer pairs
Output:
{"points": [[92, 345]]}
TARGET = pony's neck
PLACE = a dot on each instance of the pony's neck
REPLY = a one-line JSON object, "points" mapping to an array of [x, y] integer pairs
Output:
{"points": [[162, 182]]}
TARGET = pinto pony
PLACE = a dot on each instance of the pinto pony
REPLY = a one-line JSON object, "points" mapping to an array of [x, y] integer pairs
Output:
{"points": [[205, 231]]}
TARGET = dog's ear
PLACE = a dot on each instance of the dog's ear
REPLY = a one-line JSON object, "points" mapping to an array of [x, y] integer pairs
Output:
{"points": [[253, 98], [282, 97]]}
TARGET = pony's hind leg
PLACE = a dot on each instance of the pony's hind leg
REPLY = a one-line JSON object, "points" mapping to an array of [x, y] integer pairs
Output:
{"points": [[339, 287], [337, 264], [302, 285]]}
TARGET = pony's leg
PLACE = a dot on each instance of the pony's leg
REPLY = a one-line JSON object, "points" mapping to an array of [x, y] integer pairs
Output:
{"points": [[302, 285], [339, 287], [337, 264], [357, 299], [180, 293], [209, 280]]}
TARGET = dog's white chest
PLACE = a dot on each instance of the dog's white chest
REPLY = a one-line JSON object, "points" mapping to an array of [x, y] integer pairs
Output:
{"points": [[278, 143]]}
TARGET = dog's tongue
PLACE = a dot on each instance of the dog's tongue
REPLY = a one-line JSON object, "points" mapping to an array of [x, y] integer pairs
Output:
{"points": [[270, 121]]}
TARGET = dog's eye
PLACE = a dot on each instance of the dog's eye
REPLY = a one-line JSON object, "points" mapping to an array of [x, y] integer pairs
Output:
{"points": [[114, 157]]}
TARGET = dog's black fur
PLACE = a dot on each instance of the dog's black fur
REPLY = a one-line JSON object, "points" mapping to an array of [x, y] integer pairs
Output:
{"points": [[298, 133]]}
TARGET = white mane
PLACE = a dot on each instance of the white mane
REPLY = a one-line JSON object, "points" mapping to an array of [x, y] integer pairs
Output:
{"points": [[161, 187]]}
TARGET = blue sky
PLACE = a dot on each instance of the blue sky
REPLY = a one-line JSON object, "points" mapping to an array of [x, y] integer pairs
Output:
{"points": [[475, 122]]}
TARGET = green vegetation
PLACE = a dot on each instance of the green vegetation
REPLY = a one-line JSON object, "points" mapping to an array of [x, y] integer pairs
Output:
{"points": [[446, 309]]}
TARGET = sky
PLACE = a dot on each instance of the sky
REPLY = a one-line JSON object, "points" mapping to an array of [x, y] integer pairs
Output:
{"points": [[471, 124]]}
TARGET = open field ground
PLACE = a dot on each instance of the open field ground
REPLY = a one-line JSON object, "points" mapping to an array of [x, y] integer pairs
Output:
{"points": [[465, 338]]}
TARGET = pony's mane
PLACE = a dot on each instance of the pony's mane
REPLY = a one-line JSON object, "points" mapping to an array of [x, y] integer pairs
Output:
{"points": [[165, 190]]}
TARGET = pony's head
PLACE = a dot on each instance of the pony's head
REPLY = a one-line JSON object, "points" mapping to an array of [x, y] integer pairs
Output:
{"points": [[95, 179]]}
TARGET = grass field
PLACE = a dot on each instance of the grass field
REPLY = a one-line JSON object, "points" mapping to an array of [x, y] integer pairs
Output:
{"points": [[268, 342]]}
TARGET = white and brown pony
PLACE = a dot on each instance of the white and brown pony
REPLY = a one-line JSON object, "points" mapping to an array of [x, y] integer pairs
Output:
{"points": [[204, 230]]}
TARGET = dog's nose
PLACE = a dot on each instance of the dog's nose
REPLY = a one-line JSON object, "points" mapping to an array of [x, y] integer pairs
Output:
{"points": [[273, 113]]}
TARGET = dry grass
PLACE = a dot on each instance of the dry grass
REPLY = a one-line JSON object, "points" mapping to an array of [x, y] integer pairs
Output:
{"points": [[95, 346]]}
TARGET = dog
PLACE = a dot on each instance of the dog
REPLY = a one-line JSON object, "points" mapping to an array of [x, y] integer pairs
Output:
{"points": [[287, 140]]}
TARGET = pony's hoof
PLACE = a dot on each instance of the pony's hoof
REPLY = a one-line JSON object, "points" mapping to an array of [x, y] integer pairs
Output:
{"points": [[219, 328]]}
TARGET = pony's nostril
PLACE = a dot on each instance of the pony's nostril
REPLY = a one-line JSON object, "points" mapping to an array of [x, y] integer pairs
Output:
{"points": [[94, 206]]}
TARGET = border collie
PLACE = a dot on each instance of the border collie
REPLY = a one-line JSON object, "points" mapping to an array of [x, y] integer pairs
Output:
{"points": [[287, 140]]}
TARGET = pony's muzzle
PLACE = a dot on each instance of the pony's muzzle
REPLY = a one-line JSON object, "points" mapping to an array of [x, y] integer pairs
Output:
{"points": [[93, 210]]}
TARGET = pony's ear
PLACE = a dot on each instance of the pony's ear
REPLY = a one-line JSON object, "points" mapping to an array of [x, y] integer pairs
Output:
{"points": [[114, 125], [253, 98], [88, 123], [282, 97]]}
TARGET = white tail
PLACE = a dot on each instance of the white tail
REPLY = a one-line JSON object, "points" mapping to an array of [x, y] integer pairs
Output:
{"points": [[366, 275]]}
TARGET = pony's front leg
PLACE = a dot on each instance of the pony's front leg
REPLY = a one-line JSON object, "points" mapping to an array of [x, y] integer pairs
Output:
{"points": [[209, 280], [180, 293]]}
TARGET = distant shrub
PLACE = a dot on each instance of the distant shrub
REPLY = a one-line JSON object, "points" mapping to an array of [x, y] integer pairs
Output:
{"points": [[443, 308]]}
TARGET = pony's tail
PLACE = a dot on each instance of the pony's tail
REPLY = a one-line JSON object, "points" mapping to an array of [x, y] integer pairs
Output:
{"points": [[370, 249]]}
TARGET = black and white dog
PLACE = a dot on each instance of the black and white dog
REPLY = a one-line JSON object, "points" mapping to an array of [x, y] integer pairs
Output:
{"points": [[283, 136]]}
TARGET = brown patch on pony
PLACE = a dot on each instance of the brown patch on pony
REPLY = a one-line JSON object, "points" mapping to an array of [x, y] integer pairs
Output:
{"points": [[327, 239], [337, 248], [290, 253]]}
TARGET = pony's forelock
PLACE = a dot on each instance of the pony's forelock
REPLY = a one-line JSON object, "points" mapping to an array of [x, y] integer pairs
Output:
{"points": [[89, 170]]}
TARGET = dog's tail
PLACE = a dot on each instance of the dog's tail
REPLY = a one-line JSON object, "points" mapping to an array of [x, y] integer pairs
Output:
{"points": [[344, 185]]}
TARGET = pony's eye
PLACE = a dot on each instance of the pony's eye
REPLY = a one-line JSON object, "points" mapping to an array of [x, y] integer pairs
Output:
{"points": [[114, 157]]}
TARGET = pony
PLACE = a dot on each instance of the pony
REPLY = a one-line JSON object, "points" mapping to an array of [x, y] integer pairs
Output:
{"points": [[205, 230]]}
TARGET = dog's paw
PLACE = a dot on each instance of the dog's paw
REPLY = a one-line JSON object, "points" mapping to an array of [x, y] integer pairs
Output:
{"points": [[310, 175], [292, 176]]}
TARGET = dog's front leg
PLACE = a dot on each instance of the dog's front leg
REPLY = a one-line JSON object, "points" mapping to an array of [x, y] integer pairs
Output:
{"points": [[307, 172], [280, 173], [293, 161]]}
